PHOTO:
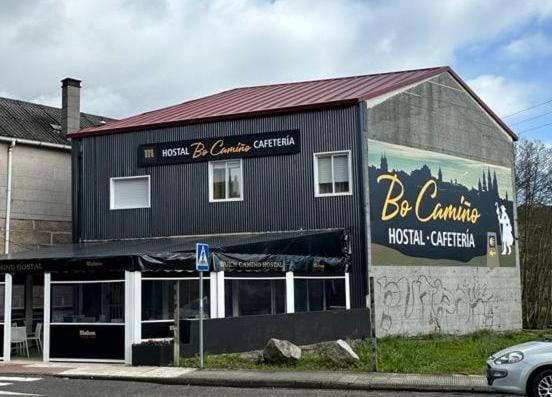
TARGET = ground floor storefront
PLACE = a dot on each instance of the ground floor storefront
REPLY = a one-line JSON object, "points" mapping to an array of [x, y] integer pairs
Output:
{"points": [[93, 301]]}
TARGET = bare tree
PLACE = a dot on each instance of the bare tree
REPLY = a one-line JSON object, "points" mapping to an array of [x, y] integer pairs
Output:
{"points": [[534, 195]]}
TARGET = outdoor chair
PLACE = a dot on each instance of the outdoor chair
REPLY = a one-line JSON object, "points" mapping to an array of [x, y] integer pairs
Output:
{"points": [[19, 339], [36, 336]]}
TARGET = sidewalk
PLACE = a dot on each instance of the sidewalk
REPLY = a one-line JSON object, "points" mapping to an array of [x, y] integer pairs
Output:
{"points": [[253, 379]]}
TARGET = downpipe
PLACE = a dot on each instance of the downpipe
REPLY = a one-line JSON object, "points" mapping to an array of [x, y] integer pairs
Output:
{"points": [[8, 198]]}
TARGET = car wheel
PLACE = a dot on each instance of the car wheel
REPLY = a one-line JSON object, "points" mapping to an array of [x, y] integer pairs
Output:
{"points": [[541, 384]]}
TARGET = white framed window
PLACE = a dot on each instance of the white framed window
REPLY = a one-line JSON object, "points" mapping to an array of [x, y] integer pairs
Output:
{"points": [[225, 180], [129, 192], [333, 174], [320, 293], [246, 296], [88, 301]]}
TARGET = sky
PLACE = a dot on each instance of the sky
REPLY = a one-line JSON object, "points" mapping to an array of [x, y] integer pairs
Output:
{"points": [[138, 55]]}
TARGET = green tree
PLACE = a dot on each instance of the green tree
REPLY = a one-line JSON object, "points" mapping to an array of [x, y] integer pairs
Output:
{"points": [[534, 199]]}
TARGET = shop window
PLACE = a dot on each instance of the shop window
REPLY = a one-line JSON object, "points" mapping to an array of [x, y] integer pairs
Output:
{"points": [[158, 299], [129, 192], [38, 297], [18, 303], [88, 302], [254, 297], [312, 294], [2, 302], [332, 173], [225, 180]]}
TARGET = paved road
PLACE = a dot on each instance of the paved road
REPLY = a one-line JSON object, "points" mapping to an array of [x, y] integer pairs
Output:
{"points": [[59, 387]]}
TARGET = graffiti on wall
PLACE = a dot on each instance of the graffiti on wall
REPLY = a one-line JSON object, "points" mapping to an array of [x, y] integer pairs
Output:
{"points": [[434, 306]]}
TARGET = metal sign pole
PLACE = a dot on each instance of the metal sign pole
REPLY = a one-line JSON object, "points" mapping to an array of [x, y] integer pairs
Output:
{"points": [[373, 339], [202, 265], [200, 319], [176, 323]]}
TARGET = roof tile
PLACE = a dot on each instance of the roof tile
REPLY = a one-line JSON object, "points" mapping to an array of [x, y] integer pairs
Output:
{"points": [[27, 120]]}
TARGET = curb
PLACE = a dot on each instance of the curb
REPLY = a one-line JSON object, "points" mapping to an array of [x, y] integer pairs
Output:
{"points": [[249, 382]]}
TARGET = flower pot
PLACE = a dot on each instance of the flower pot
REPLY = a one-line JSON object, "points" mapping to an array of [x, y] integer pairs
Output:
{"points": [[160, 355]]}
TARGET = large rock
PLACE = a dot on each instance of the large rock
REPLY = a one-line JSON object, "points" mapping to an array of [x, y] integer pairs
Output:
{"points": [[279, 351], [340, 353], [316, 348]]}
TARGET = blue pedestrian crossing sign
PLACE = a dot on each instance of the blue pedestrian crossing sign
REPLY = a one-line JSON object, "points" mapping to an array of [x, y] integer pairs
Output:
{"points": [[202, 257]]}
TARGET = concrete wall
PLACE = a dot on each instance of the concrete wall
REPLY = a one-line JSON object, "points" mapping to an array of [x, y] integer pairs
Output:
{"points": [[41, 197], [440, 116]]}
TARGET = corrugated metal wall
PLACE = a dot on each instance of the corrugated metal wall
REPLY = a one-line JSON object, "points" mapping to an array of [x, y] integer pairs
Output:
{"points": [[278, 190]]}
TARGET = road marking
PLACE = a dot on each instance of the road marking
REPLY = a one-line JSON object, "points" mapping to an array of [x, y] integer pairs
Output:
{"points": [[17, 379], [9, 381]]}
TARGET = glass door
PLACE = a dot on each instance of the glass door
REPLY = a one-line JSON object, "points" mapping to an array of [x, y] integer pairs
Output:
{"points": [[27, 316]]}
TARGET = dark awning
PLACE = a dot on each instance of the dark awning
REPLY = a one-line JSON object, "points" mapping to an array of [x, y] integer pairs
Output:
{"points": [[310, 250]]}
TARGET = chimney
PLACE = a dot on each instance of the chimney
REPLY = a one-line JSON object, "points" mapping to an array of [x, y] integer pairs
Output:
{"points": [[70, 105]]}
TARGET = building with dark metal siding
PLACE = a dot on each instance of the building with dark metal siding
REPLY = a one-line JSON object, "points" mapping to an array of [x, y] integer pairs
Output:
{"points": [[317, 198], [278, 190]]}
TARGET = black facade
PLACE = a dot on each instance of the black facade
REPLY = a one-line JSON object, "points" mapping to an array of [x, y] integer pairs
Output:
{"points": [[278, 190], [255, 331]]}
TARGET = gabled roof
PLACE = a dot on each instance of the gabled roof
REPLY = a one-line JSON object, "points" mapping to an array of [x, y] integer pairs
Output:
{"points": [[35, 122], [280, 98]]}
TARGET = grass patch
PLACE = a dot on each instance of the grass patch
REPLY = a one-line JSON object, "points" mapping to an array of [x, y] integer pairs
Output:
{"points": [[434, 354], [447, 354]]}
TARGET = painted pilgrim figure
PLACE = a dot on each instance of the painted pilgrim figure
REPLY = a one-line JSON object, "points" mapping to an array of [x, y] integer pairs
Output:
{"points": [[505, 229]]}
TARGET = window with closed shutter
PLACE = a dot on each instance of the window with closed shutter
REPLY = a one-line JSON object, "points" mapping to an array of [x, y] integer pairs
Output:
{"points": [[341, 173], [130, 192], [325, 174]]}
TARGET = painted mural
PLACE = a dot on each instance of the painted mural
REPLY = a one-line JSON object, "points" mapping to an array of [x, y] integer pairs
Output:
{"points": [[428, 208]]}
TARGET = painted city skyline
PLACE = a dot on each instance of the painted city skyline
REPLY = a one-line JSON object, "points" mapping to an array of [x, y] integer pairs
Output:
{"points": [[470, 173]]}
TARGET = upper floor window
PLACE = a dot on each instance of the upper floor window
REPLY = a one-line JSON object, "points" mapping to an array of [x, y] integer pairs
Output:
{"points": [[332, 173], [129, 192], [225, 180]]}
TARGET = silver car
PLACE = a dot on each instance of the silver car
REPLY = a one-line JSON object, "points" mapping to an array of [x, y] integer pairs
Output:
{"points": [[522, 369]]}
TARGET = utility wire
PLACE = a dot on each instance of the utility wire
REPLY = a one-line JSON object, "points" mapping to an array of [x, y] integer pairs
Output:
{"points": [[532, 118], [534, 128], [529, 108]]}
